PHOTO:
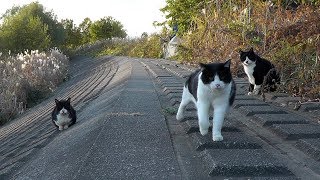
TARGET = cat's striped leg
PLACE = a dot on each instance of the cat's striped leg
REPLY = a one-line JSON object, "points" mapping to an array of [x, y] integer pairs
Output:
{"points": [[203, 116]]}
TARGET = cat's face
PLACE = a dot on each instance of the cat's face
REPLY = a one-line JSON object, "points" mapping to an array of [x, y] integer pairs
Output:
{"points": [[216, 75], [63, 106], [247, 58]]}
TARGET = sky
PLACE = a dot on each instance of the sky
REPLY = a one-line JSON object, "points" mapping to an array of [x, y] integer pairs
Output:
{"points": [[136, 16]]}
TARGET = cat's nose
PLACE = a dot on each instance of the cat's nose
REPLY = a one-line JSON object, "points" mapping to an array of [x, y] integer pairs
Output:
{"points": [[218, 86]]}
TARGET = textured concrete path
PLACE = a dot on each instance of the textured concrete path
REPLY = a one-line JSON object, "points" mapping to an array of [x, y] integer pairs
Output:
{"points": [[126, 130]]}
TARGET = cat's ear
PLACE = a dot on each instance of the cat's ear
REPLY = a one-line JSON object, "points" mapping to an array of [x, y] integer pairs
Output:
{"points": [[57, 101], [69, 99], [240, 51], [203, 66], [251, 49], [227, 63]]}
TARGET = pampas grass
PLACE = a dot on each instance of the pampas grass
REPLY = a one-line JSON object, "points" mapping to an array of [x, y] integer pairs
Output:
{"points": [[27, 73]]}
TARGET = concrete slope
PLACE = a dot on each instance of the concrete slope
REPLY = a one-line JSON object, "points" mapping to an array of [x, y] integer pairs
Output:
{"points": [[126, 129], [120, 134]]}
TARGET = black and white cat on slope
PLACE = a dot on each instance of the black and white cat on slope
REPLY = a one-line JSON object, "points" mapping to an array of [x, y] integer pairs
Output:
{"points": [[258, 70], [63, 114], [209, 88]]}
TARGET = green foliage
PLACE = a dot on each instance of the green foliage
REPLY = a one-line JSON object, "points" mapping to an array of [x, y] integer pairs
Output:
{"points": [[10, 12], [55, 29], [118, 47], [106, 28], [170, 111], [143, 47], [20, 33], [84, 29], [147, 47], [92, 37], [73, 34], [180, 13], [30, 27]]}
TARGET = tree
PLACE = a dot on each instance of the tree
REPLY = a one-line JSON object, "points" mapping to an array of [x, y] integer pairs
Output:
{"points": [[30, 27], [144, 35], [84, 30], [179, 13], [106, 28], [10, 12], [19, 33], [73, 34], [55, 29]]}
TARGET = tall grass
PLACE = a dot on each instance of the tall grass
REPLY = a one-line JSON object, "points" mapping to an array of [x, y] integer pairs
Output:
{"points": [[26, 78]]}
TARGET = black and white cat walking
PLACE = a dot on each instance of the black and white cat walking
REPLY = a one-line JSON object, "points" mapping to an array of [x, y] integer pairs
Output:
{"points": [[210, 87]]}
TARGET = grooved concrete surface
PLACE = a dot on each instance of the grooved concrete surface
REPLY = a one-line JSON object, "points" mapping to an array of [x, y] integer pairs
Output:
{"points": [[128, 139], [126, 129]]}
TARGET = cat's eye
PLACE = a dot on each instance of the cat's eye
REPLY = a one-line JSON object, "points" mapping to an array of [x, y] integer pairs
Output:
{"points": [[222, 74], [251, 57]]}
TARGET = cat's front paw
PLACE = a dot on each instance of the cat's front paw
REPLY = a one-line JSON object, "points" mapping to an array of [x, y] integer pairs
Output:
{"points": [[255, 92], [217, 138], [203, 132], [179, 116], [60, 128], [66, 127]]}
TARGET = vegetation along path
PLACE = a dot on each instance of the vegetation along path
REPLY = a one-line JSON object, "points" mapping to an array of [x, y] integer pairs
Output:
{"points": [[126, 128]]}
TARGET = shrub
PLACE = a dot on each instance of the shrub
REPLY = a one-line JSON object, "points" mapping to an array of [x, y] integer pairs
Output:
{"points": [[144, 47]]}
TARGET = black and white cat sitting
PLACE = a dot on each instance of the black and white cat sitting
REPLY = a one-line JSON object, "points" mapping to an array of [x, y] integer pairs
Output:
{"points": [[210, 87], [63, 114], [258, 70]]}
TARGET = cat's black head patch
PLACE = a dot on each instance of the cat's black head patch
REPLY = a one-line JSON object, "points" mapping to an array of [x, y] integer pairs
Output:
{"points": [[209, 71], [250, 54], [63, 104]]}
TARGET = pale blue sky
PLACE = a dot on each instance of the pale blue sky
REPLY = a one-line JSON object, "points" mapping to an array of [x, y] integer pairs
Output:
{"points": [[137, 16]]}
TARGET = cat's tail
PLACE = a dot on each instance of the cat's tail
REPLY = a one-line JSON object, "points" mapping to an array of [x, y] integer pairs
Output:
{"points": [[271, 80], [232, 92]]}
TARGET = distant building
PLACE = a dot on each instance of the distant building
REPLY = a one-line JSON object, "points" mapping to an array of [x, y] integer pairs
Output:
{"points": [[170, 48]]}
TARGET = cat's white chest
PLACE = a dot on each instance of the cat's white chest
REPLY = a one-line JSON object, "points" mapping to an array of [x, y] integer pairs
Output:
{"points": [[249, 69], [62, 120]]}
